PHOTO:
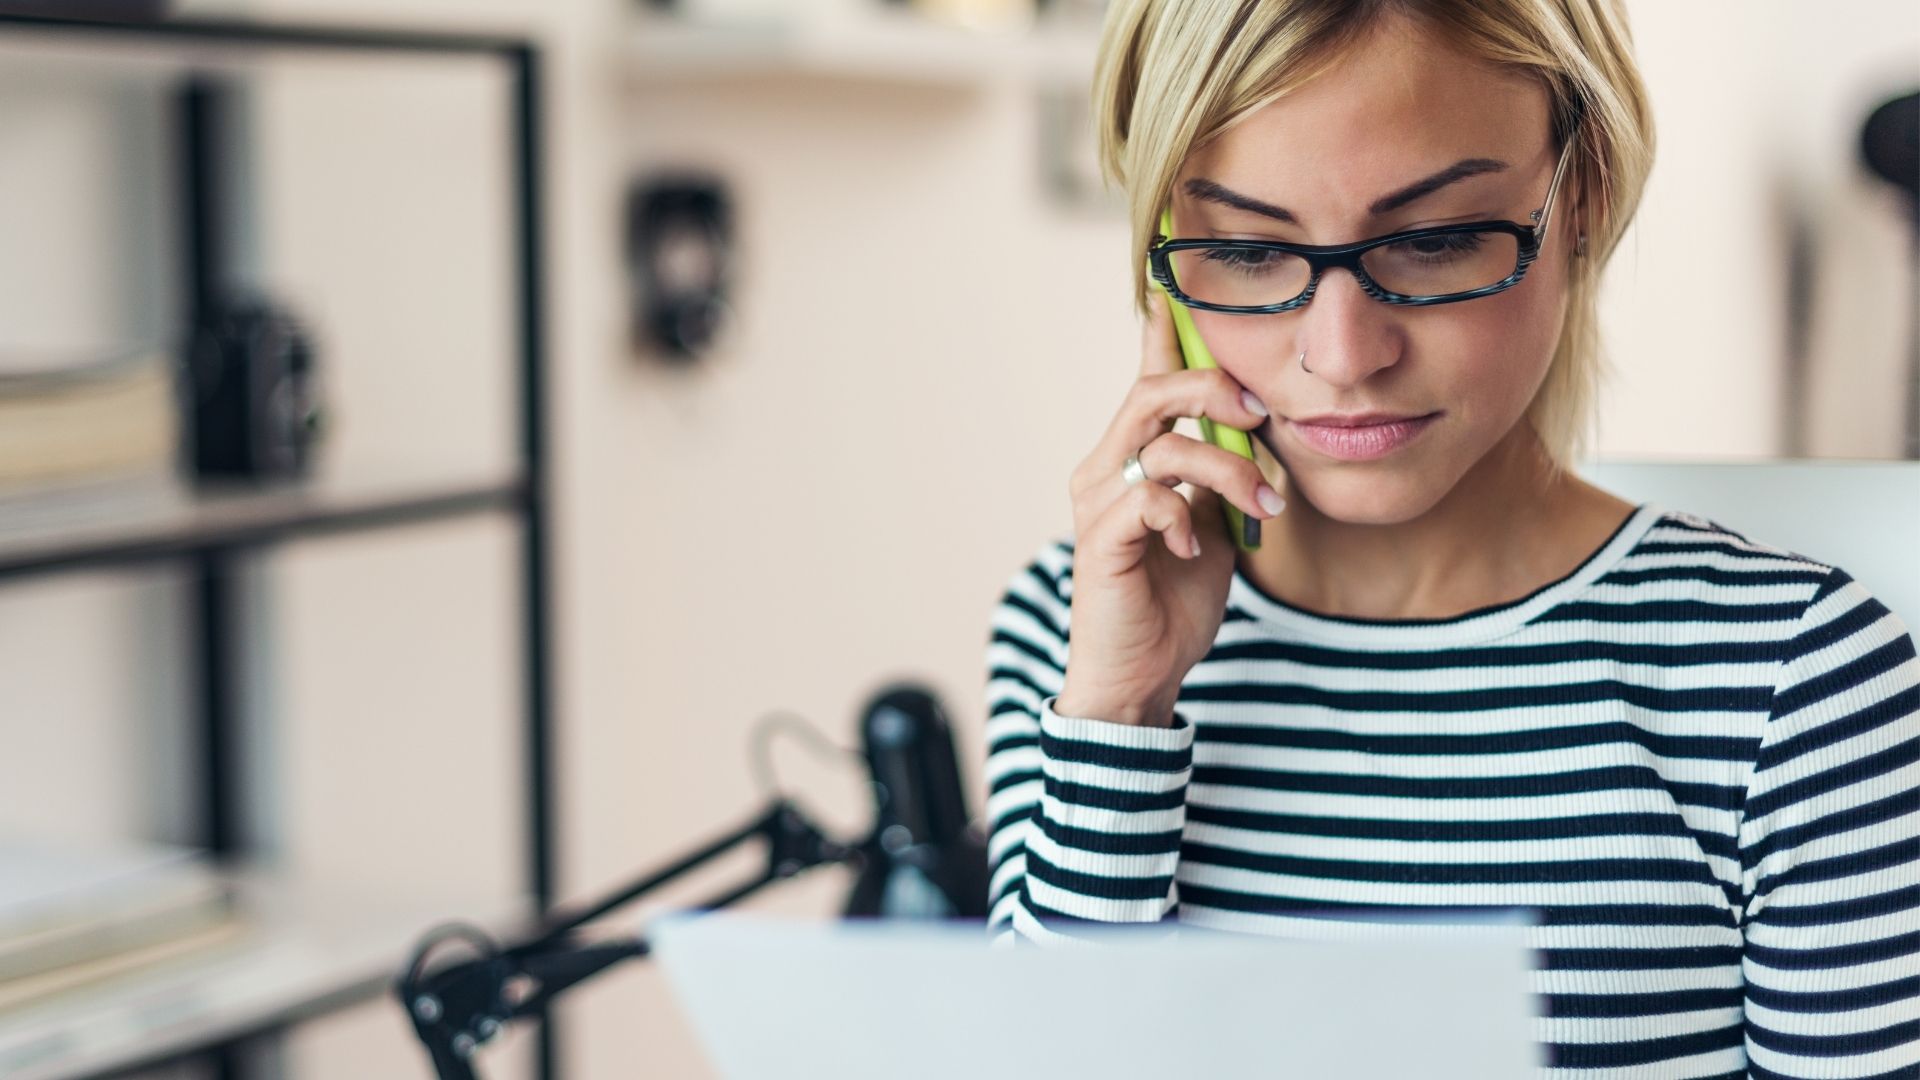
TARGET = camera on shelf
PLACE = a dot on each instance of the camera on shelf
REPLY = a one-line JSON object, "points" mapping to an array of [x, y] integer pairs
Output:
{"points": [[254, 405]]}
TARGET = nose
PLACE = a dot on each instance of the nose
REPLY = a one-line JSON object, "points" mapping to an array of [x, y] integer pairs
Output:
{"points": [[1346, 334]]}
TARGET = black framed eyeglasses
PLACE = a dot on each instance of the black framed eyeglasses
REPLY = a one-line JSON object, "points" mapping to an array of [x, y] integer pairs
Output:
{"points": [[1440, 265]]}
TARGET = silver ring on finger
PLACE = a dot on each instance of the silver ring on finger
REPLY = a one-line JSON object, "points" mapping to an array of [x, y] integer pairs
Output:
{"points": [[1131, 472]]}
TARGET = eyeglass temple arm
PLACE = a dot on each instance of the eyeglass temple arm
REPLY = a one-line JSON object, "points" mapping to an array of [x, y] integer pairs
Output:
{"points": [[1541, 215]]}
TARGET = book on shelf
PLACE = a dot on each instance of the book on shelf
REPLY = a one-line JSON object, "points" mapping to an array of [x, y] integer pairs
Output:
{"points": [[70, 914], [64, 420]]}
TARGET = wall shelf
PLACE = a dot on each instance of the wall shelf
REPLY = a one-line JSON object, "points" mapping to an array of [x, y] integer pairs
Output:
{"points": [[58, 530], [882, 47], [310, 954], [301, 953]]}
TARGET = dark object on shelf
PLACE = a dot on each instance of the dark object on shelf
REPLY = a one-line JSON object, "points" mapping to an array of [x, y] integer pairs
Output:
{"points": [[679, 263], [919, 826], [256, 408], [251, 397]]}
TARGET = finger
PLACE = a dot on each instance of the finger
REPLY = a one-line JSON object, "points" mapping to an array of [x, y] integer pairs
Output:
{"points": [[1174, 459], [1156, 402], [1209, 516], [1159, 344], [1122, 531]]}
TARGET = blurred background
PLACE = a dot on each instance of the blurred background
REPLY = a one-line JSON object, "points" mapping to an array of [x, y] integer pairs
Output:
{"points": [[798, 432]]}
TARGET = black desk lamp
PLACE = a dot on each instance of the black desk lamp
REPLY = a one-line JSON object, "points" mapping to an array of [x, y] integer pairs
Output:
{"points": [[921, 859]]}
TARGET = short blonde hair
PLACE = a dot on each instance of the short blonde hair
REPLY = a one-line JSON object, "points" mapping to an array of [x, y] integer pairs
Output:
{"points": [[1174, 74]]}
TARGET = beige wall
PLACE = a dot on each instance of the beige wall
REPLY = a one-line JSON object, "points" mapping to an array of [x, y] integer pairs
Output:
{"points": [[831, 499], [1758, 108]]}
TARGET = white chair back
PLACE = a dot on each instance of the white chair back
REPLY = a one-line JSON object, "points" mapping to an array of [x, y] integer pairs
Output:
{"points": [[1862, 516]]}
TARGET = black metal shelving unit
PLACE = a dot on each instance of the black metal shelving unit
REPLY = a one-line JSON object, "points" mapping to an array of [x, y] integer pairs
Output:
{"points": [[207, 532]]}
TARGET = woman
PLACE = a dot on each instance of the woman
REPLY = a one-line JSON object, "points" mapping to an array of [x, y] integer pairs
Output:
{"points": [[1452, 674]]}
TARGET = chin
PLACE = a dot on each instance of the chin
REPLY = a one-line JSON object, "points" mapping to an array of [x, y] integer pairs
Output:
{"points": [[1375, 494]]}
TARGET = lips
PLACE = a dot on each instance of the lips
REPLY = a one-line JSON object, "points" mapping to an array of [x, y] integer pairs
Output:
{"points": [[1362, 436], [1365, 419]]}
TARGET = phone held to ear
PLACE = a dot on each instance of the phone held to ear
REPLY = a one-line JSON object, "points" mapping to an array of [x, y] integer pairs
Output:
{"points": [[1244, 530]]}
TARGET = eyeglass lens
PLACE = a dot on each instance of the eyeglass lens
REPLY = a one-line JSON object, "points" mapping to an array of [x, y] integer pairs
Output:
{"points": [[1420, 267]]}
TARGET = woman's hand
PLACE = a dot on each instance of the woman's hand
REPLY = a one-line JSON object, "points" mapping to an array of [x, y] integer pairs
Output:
{"points": [[1145, 607]]}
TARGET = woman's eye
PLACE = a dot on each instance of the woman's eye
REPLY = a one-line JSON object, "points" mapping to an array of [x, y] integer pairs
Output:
{"points": [[1440, 246], [1240, 256]]}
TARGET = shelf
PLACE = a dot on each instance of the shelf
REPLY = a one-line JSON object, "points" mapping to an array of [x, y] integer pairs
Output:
{"points": [[138, 522], [252, 33], [310, 954], [886, 47], [303, 954]]}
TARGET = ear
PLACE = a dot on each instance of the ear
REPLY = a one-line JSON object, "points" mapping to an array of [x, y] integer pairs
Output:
{"points": [[1576, 222]]}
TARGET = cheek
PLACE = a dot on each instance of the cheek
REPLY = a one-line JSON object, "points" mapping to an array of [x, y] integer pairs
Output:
{"points": [[1246, 348], [1495, 356]]}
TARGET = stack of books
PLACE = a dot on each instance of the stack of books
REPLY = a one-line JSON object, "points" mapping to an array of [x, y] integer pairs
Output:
{"points": [[66, 420], [71, 917]]}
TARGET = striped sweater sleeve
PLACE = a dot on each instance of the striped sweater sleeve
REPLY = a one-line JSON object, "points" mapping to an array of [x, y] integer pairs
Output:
{"points": [[1830, 850], [1085, 814]]}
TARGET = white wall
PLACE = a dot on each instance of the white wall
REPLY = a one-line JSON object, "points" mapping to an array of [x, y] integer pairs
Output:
{"points": [[1758, 108]]}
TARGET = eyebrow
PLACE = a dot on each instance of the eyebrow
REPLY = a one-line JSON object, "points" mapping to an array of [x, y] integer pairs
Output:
{"points": [[1207, 190]]}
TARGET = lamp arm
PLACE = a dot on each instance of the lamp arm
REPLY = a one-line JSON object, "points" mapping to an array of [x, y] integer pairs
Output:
{"points": [[458, 1007]]}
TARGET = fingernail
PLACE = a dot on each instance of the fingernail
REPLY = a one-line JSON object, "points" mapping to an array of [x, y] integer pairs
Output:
{"points": [[1269, 499], [1252, 403]]}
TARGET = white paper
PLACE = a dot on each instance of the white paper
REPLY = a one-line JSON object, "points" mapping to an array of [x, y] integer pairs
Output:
{"points": [[776, 998]]}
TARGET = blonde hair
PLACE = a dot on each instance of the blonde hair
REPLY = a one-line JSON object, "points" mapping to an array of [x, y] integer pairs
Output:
{"points": [[1174, 74]]}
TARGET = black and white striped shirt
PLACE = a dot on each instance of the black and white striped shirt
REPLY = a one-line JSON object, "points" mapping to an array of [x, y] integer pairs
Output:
{"points": [[1695, 759]]}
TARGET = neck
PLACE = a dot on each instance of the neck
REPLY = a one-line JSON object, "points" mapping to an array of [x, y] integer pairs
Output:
{"points": [[1510, 525]]}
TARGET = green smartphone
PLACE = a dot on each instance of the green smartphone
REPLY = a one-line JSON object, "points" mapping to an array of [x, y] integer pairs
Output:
{"points": [[1244, 530]]}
